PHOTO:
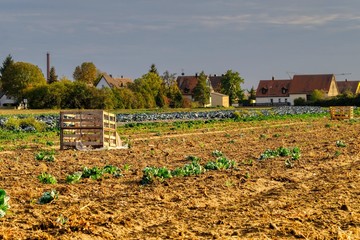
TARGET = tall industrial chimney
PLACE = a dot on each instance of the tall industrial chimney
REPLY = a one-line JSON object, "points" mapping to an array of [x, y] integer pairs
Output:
{"points": [[48, 67]]}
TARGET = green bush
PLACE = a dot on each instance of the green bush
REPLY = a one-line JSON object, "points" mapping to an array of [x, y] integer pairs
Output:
{"points": [[15, 124]]}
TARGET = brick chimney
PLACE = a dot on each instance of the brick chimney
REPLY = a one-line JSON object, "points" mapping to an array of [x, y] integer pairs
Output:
{"points": [[48, 66]]}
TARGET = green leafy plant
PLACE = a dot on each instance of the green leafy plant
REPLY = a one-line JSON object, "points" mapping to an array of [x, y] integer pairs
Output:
{"points": [[93, 173], [47, 178], [192, 168], [74, 178], [47, 156], [340, 143], [337, 153], [113, 170], [4, 205], [126, 167], [281, 152], [151, 173], [48, 197], [217, 153], [220, 163]]}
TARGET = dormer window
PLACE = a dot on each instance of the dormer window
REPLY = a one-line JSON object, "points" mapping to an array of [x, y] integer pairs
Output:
{"points": [[284, 90], [264, 90]]}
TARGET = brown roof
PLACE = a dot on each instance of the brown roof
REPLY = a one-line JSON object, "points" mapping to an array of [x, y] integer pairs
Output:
{"points": [[116, 82], [346, 85], [215, 83], [273, 88], [306, 84], [187, 84]]}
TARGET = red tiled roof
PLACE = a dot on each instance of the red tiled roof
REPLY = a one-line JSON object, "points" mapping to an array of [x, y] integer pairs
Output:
{"points": [[273, 88], [117, 82], [215, 83], [306, 84], [344, 86], [187, 84]]}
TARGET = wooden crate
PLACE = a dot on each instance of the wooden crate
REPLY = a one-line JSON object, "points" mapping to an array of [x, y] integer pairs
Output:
{"points": [[87, 128], [341, 112]]}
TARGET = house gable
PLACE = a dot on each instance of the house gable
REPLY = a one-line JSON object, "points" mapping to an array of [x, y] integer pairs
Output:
{"points": [[306, 84], [110, 82], [352, 86]]}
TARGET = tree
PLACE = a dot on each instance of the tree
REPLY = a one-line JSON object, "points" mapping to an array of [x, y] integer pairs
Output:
{"points": [[201, 92], [252, 94], [19, 76], [150, 86], [153, 69], [7, 62], [230, 85], [317, 95], [168, 78], [53, 77], [86, 73]]}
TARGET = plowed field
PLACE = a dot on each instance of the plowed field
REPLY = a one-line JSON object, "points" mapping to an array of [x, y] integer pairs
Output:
{"points": [[318, 197]]}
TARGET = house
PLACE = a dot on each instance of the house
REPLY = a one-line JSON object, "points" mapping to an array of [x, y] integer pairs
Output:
{"points": [[215, 82], [187, 84], [219, 100], [6, 101], [273, 92], [348, 86], [302, 86], [110, 82]]}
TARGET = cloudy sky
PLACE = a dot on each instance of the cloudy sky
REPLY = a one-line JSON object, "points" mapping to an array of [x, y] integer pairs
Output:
{"points": [[257, 38]]}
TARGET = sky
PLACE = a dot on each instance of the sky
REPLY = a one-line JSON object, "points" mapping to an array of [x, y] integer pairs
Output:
{"points": [[257, 38]]}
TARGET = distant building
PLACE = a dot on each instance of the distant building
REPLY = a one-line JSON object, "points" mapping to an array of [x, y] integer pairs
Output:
{"points": [[187, 84], [110, 82], [303, 86], [284, 92], [273, 92], [349, 86], [6, 101]]}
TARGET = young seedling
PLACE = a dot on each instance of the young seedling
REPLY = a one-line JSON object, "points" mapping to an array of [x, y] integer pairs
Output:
{"points": [[47, 178], [4, 205], [48, 197]]}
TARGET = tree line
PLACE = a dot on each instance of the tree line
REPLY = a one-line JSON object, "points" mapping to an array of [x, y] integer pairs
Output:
{"points": [[21, 80]]}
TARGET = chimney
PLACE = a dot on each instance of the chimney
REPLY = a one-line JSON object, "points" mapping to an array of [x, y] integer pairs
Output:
{"points": [[110, 75], [182, 74], [214, 75], [122, 76], [345, 79], [196, 74], [48, 67], [273, 78]]}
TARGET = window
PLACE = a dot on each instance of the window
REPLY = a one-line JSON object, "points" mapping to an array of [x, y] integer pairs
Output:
{"points": [[263, 90], [279, 99], [271, 101], [286, 100], [283, 90]]}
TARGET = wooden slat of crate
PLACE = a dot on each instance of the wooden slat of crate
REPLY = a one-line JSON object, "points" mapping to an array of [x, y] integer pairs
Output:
{"points": [[343, 112], [91, 127]]}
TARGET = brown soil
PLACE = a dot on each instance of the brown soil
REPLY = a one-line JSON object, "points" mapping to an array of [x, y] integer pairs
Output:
{"points": [[316, 199]]}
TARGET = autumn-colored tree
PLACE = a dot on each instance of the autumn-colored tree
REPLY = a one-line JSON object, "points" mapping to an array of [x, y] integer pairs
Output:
{"points": [[86, 73], [19, 76]]}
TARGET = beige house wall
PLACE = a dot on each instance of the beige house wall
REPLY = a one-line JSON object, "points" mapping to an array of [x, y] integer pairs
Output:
{"points": [[333, 90], [218, 99]]}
